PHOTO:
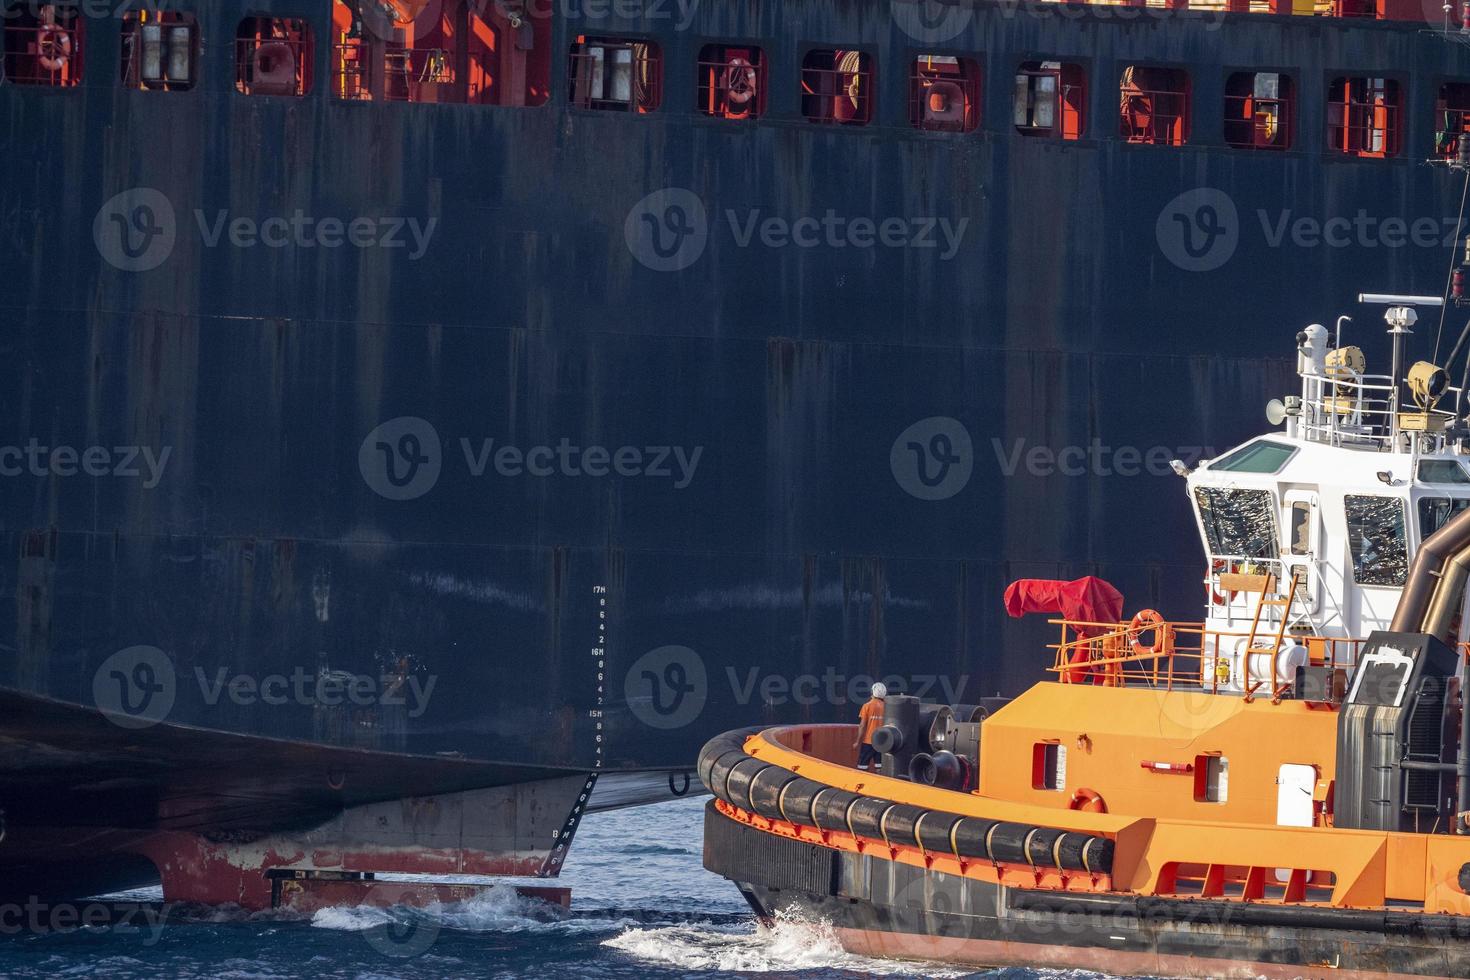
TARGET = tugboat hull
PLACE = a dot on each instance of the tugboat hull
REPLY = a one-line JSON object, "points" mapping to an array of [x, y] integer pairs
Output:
{"points": [[885, 909], [956, 877]]}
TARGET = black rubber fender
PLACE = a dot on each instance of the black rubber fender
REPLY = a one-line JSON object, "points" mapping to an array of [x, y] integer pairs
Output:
{"points": [[1097, 855], [765, 791], [1069, 851], [720, 772], [796, 800], [715, 748], [829, 810], [733, 741], [865, 817], [709, 757], [1040, 847], [969, 838], [1007, 843], [934, 829], [742, 774], [901, 825]]}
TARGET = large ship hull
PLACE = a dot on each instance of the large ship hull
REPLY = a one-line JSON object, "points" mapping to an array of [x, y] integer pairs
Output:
{"points": [[250, 480]]}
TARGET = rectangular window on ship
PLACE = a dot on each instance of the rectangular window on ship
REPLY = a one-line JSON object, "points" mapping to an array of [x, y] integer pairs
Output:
{"points": [[615, 73], [837, 86], [944, 94], [43, 46], [273, 56], [1376, 540], [731, 81], [1365, 116], [1153, 105], [1452, 118], [456, 52], [1259, 110], [1050, 100], [160, 50]]}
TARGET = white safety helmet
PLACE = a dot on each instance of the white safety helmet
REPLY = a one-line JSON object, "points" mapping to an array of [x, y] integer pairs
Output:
{"points": [[880, 691]]}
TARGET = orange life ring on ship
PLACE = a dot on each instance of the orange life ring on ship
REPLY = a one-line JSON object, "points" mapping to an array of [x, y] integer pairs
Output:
{"points": [[1221, 597], [1151, 619], [1088, 801], [738, 81], [53, 48]]}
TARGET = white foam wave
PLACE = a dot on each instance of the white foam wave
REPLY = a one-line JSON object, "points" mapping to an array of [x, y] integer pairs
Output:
{"points": [[791, 945], [358, 918], [497, 909]]}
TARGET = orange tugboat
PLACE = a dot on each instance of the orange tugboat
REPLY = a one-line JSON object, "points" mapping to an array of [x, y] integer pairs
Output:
{"points": [[1281, 789]]}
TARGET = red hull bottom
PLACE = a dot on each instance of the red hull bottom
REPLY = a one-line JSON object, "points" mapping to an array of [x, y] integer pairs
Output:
{"points": [[995, 953]]}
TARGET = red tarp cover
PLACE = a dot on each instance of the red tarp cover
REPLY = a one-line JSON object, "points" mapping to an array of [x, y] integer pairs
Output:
{"points": [[1087, 599]]}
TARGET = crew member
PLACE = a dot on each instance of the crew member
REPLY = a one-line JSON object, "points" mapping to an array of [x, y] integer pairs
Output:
{"points": [[869, 718]]}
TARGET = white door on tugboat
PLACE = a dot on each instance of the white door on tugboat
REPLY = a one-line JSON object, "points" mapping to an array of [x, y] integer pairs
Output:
{"points": [[1294, 787], [1302, 518]]}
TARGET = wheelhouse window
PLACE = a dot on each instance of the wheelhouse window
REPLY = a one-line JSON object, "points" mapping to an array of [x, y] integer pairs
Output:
{"points": [[1261, 456], [1364, 116], [273, 56], [1049, 99], [1153, 105], [1238, 523], [459, 51], [1259, 110], [1376, 540], [731, 82], [160, 50], [1435, 513], [1442, 471], [837, 86], [944, 94], [618, 74], [1451, 118], [43, 46]]}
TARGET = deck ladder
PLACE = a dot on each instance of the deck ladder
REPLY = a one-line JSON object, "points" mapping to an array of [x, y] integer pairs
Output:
{"points": [[1269, 599]]}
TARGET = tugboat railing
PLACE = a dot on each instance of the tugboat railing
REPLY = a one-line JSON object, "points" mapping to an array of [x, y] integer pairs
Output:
{"points": [[1351, 409], [1185, 656]]}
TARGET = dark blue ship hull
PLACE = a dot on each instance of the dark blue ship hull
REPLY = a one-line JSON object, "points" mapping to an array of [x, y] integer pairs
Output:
{"points": [[735, 490]]}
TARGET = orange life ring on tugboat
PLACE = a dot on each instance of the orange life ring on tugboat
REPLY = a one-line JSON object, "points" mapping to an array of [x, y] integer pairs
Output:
{"points": [[53, 48], [738, 81], [1151, 619], [1221, 597], [1088, 801]]}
